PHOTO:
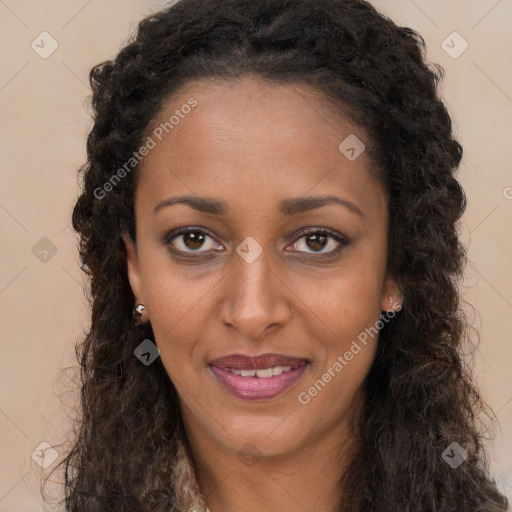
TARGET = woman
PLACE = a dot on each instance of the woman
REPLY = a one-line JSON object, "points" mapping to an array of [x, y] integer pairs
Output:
{"points": [[269, 221]]}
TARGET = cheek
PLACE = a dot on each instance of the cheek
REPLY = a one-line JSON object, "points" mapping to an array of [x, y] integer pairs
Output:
{"points": [[349, 313], [344, 313], [178, 308], [175, 295], [348, 302]]}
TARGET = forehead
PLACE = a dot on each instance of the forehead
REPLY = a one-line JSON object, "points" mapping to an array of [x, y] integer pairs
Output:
{"points": [[244, 138]]}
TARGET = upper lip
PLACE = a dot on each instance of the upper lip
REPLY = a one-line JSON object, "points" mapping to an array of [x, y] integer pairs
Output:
{"points": [[243, 362]]}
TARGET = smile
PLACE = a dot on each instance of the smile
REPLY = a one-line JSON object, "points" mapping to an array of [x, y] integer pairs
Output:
{"points": [[261, 384]]}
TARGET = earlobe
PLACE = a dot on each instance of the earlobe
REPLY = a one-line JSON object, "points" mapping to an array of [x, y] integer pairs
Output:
{"points": [[392, 296], [132, 265]]}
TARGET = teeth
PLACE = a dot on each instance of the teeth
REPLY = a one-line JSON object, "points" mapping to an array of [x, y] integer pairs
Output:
{"points": [[262, 374]]}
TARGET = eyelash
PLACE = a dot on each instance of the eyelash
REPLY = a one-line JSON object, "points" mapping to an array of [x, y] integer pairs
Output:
{"points": [[342, 241]]}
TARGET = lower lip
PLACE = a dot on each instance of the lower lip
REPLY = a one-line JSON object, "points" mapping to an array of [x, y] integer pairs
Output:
{"points": [[254, 388]]}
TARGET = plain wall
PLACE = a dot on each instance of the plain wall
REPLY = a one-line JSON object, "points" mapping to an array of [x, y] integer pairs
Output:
{"points": [[44, 124]]}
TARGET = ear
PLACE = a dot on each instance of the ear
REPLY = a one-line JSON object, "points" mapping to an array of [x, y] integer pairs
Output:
{"points": [[392, 295], [132, 264]]}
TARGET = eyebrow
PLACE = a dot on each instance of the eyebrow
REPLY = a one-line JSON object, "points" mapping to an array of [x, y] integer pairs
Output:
{"points": [[286, 207]]}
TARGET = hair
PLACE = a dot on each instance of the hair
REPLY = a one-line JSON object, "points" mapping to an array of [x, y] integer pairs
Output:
{"points": [[131, 451]]}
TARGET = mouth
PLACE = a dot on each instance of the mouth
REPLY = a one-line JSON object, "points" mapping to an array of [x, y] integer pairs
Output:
{"points": [[260, 377]]}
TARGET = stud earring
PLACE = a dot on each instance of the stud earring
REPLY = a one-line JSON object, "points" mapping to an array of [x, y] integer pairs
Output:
{"points": [[139, 308]]}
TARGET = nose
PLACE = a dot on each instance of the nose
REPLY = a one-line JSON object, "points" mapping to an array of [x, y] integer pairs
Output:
{"points": [[256, 298]]}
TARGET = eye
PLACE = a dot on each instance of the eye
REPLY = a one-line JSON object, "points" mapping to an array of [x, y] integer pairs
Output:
{"points": [[320, 241], [190, 240], [199, 240]]}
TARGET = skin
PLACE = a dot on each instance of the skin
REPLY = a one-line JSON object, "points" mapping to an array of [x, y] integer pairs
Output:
{"points": [[252, 144]]}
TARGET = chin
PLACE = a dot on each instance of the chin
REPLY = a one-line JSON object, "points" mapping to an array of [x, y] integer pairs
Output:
{"points": [[265, 438]]}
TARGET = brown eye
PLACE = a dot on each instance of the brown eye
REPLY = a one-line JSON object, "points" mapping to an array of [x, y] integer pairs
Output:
{"points": [[190, 240], [316, 242], [319, 241], [193, 239]]}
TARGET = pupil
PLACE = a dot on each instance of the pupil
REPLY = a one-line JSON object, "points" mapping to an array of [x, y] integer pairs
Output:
{"points": [[194, 240], [318, 242]]}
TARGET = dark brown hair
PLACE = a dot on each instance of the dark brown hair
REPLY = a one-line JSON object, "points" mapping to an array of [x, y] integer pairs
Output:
{"points": [[130, 448]]}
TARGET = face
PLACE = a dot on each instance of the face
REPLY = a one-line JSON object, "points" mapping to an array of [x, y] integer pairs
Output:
{"points": [[253, 265]]}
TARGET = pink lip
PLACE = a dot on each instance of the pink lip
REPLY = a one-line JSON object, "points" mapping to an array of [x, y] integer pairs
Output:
{"points": [[256, 388]]}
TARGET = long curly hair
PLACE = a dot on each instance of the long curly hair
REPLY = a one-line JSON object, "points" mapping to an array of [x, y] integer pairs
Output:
{"points": [[131, 451]]}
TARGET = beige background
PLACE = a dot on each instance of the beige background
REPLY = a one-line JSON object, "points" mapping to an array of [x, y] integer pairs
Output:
{"points": [[44, 123]]}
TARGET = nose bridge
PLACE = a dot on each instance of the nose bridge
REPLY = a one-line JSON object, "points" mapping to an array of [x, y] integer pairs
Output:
{"points": [[253, 280], [254, 297]]}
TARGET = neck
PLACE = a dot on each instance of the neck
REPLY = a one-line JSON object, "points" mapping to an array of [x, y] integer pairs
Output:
{"points": [[306, 479]]}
